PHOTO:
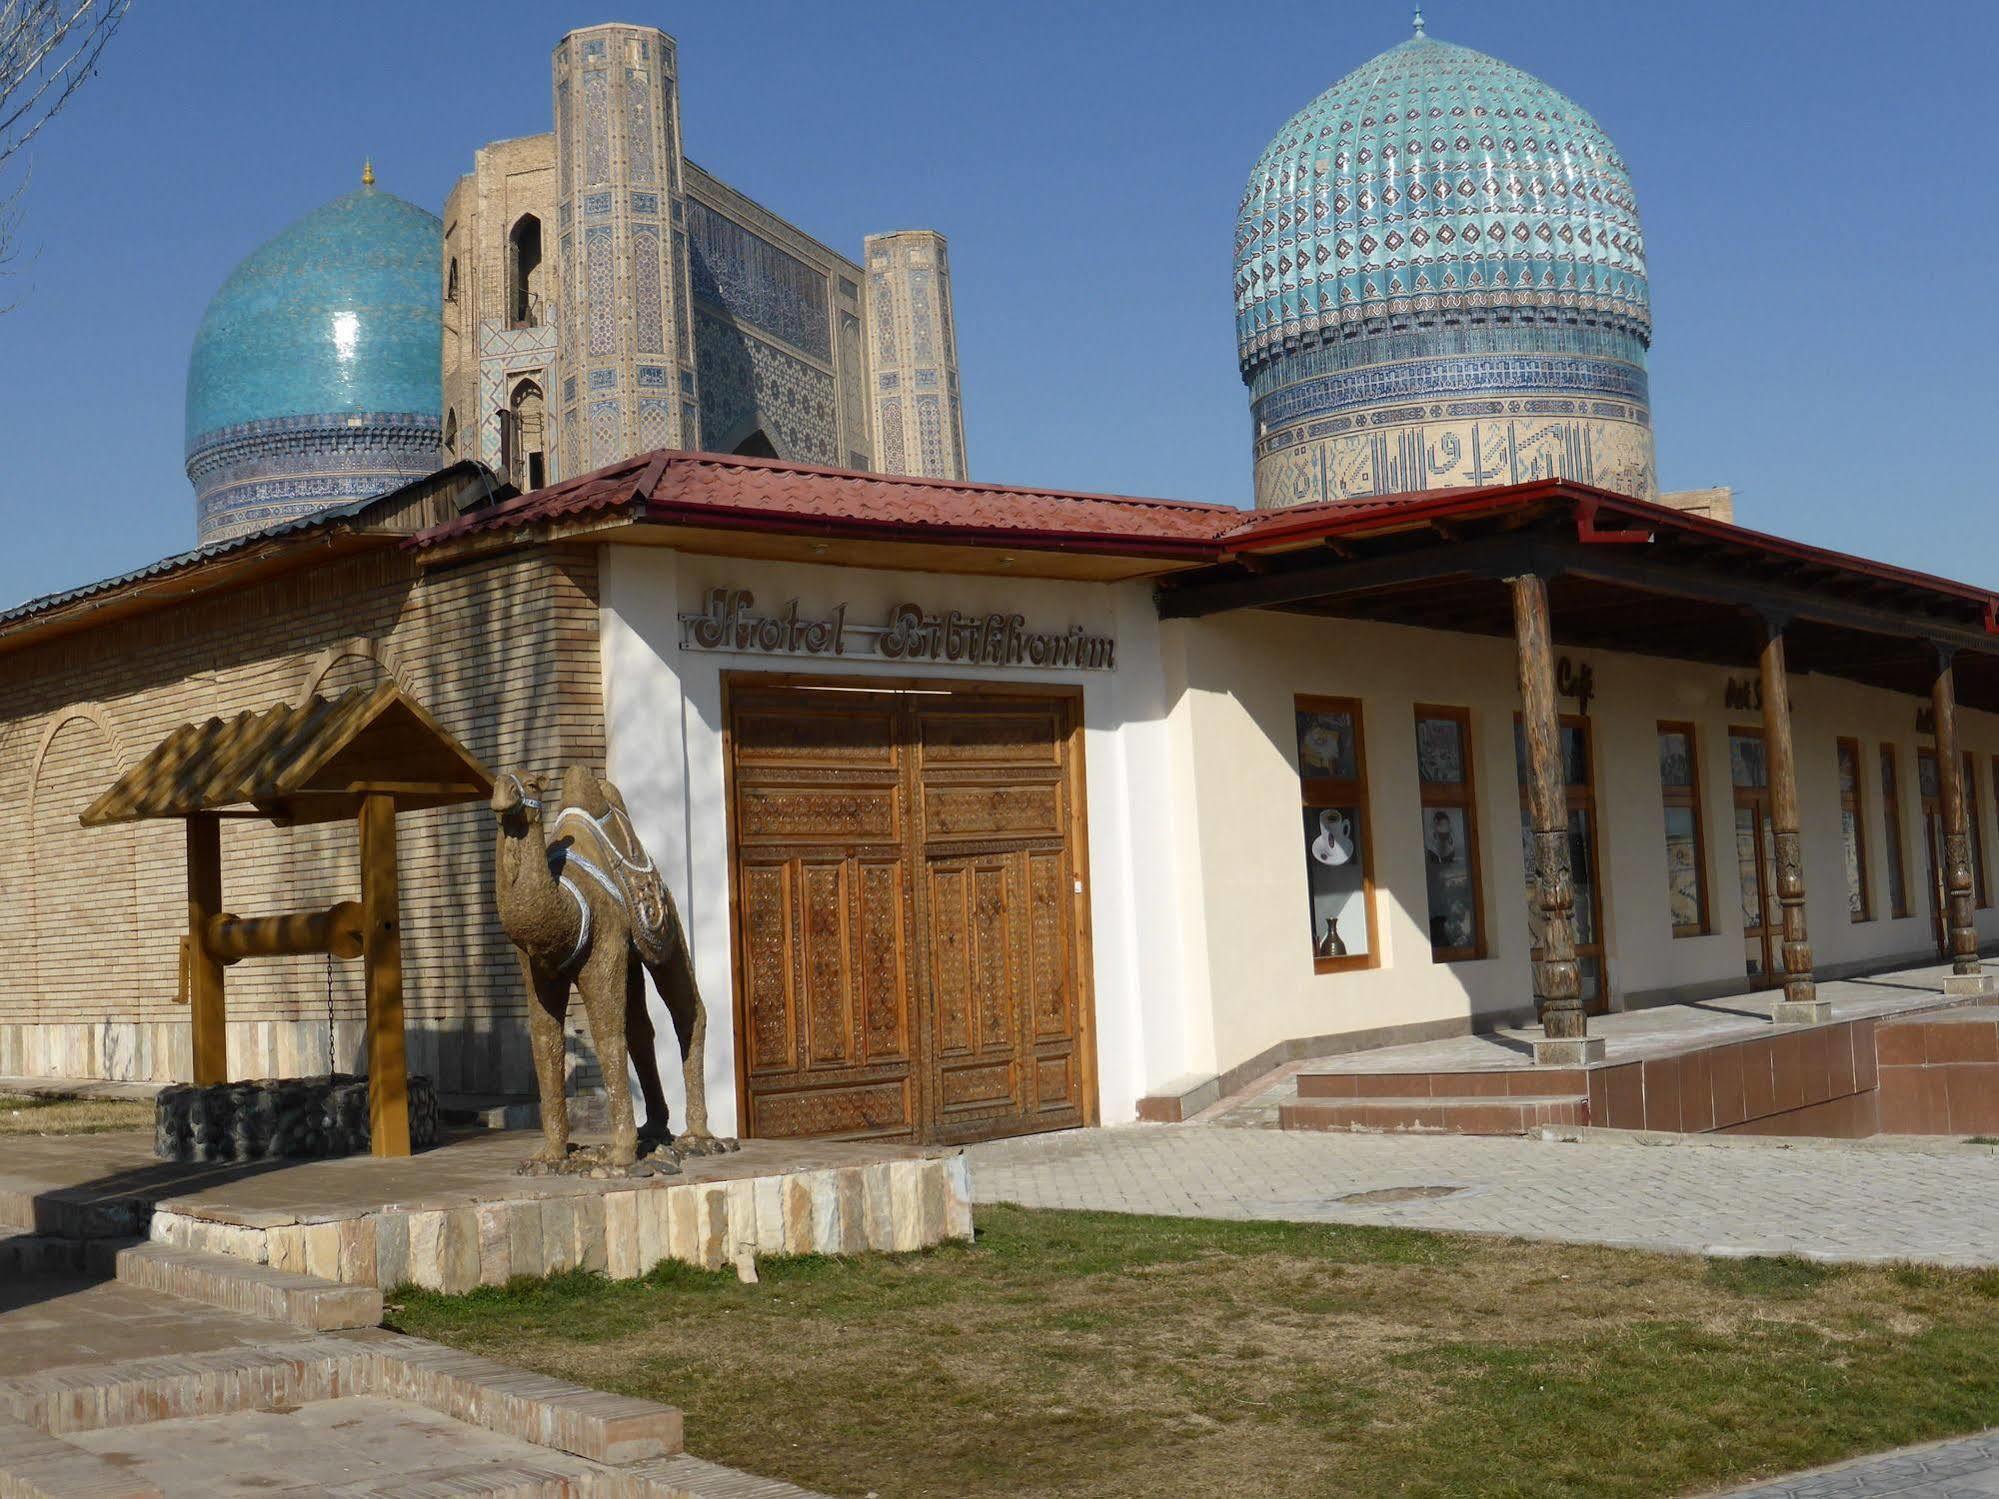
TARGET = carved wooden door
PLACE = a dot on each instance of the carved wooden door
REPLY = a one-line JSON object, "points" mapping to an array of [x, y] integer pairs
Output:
{"points": [[999, 896], [908, 890], [822, 914]]}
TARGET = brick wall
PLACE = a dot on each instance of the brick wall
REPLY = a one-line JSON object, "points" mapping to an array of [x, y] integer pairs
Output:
{"points": [[502, 650]]}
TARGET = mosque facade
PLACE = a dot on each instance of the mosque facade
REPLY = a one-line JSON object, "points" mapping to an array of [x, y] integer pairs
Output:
{"points": [[588, 294], [1440, 282]]}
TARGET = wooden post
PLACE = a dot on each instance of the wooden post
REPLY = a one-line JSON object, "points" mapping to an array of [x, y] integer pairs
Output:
{"points": [[1801, 1002], [382, 952], [1956, 835], [1557, 982], [207, 1009]]}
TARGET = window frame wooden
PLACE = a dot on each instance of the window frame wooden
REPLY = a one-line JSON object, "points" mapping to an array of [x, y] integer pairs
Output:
{"points": [[1891, 825], [1689, 796], [1462, 795], [1320, 792], [1855, 801]]}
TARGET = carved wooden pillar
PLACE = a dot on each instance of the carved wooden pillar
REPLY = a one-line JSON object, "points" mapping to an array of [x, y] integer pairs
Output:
{"points": [[1801, 1000], [1956, 835], [1557, 983]]}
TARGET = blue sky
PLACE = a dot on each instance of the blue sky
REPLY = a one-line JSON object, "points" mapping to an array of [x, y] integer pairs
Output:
{"points": [[1820, 212]]}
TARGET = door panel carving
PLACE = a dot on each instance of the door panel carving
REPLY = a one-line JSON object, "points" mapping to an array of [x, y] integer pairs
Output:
{"points": [[908, 881]]}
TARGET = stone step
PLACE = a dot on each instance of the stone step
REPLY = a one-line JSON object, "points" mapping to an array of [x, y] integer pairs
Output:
{"points": [[1456, 1116], [40, 1254], [35, 1465], [1514, 1082], [28, 1207], [686, 1477], [255, 1290]]}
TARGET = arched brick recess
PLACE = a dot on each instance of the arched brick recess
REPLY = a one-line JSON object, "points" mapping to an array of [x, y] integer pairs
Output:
{"points": [[83, 889]]}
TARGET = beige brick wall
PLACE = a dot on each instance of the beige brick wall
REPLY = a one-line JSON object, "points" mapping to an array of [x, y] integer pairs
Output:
{"points": [[502, 650]]}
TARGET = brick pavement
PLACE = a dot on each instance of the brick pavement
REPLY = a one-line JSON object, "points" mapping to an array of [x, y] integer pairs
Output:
{"points": [[1937, 1202], [1966, 1469]]}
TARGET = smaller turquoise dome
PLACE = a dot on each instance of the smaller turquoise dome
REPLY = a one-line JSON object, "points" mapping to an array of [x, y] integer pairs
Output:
{"points": [[315, 378]]}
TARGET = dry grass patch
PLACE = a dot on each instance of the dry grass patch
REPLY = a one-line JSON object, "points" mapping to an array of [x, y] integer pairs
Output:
{"points": [[1080, 1353], [60, 1114]]}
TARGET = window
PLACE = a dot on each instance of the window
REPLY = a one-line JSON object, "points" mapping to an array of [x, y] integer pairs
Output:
{"points": [[1447, 782], [524, 272], [451, 433], [1853, 828], [1891, 820], [1971, 825], [1686, 843], [451, 281], [1580, 793], [1332, 775], [1755, 857]]}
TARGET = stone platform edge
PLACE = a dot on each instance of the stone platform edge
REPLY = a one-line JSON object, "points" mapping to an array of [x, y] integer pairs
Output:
{"points": [[622, 1231], [616, 1430]]}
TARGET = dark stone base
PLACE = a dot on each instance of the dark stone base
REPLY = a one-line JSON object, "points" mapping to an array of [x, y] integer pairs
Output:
{"points": [[278, 1118]]}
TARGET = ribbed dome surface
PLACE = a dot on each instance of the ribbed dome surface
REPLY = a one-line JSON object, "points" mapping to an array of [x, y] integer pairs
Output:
{"points": [[1432, 179], [315, 377], [340, 312]]}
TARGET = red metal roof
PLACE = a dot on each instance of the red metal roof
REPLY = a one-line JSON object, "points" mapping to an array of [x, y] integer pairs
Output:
{"points": [[761, 494]]}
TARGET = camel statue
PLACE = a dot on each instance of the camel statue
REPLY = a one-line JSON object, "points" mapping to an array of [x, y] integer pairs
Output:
{"points": [[585, 906]]}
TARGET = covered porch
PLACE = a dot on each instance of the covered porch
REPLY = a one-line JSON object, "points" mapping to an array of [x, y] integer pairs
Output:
{"points": [[1559, 571]]}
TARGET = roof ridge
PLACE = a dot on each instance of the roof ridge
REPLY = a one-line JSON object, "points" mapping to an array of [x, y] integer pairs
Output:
{"points": [[744, 460]]}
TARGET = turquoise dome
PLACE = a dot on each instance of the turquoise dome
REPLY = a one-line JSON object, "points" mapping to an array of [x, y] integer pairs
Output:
{"points": [[1434, 177], [1440, 280], [315, 378]]}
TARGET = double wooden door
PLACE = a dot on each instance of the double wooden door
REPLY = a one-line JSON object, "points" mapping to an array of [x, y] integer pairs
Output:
{"points": [[908, 902]]}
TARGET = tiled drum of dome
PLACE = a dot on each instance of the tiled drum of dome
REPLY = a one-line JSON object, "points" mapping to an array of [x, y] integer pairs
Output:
{"points": [[1440, 281], [314, 379]]}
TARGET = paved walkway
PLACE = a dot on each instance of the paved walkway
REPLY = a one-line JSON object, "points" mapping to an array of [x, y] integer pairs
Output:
{"points": [[1967, 1469], [1937, 1202]]}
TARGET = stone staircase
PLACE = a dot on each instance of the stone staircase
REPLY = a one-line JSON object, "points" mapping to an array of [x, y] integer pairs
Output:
{"points": [[1468, 1103]]}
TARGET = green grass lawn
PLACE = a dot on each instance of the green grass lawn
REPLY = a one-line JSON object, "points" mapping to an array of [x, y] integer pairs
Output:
{"points": [[1105, 1355], [52, 1114]]}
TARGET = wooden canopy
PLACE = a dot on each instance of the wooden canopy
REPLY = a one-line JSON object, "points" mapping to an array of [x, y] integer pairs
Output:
{"points": [[297, 765]]}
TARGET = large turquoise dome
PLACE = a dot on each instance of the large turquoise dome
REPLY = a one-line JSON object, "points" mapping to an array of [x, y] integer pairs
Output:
{"points": [[1440, 280], [315, 376]]}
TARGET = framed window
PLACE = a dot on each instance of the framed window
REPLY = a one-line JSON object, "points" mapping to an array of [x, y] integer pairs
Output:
{"points": [[1891, 820], [1447, 782], [1974, 826], [1853, 828], [1579, 782], [1339, 867], [1686, 840], [1755, 856]]}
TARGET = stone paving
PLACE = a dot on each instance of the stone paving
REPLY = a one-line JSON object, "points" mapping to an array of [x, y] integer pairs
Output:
{"points": [[1966, 1469], [1935, 1201]]}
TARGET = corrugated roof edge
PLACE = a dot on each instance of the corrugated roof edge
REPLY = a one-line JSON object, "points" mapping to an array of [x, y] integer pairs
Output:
{"points": [[305, 525], [594, 492]]}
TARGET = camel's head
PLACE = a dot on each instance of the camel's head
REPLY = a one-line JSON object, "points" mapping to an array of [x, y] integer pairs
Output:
{"points": [[517, 798]]}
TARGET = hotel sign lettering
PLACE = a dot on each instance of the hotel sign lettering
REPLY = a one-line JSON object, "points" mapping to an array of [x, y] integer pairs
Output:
{"points": [[910, 633]]}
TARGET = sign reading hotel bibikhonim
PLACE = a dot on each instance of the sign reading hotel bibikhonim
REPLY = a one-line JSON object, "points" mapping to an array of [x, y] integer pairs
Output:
{"points": [[911, 633]]}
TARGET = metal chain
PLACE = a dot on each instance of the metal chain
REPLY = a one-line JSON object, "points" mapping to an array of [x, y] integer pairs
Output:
{"points": [[329, 1015]]}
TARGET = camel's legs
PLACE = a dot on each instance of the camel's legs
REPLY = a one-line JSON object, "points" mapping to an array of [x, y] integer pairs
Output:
{"points": [[550, 1000], [674, 978], [603, 987], [643, 1045]]}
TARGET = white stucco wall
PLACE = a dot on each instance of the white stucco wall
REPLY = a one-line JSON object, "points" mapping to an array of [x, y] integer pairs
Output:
{"points": [[1241, 866], [664, 721]]}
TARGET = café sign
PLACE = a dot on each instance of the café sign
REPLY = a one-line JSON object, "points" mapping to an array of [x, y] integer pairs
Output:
{"points": [[911, 633]]}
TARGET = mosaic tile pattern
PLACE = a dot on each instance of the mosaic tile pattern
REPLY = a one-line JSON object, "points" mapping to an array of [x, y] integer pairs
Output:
{"points": [[756, 282], [1429, 185], [314, 377]]}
